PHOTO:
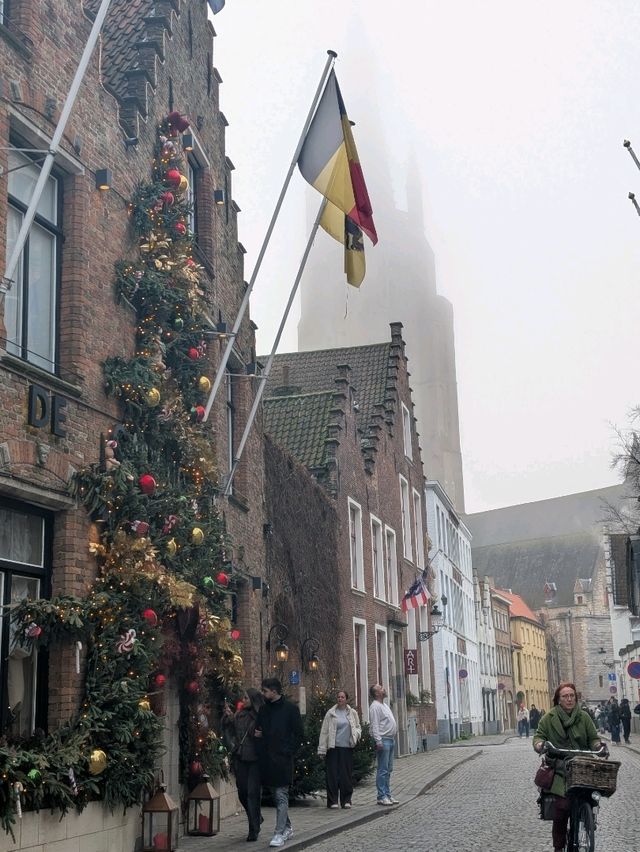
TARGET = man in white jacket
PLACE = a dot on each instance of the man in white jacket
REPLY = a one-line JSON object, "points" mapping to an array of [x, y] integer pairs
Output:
{"points": [[383, 730]]}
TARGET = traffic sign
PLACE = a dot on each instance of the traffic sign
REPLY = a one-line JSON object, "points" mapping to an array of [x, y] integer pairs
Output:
{"points": [[294, 677], [633, 670], [611, 676], [613, 689], [463, 673]]}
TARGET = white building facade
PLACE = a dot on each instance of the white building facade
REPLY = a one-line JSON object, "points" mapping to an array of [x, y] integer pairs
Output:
{"points": [[455, 646], [487, 656]]}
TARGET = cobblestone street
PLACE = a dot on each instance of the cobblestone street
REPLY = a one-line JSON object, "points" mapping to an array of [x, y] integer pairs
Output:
{"points": [[489, 804]]}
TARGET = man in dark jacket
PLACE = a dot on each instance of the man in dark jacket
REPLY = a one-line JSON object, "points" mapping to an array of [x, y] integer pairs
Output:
{"points": [[278, 736]]}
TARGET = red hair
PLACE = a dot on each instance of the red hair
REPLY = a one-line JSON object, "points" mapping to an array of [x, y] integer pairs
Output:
{"points": [[556, 694]]}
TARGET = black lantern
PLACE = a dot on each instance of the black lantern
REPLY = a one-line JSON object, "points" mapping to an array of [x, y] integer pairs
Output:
{"points": [[160, 823], [281, 651], [203, 810], [308, 657]]}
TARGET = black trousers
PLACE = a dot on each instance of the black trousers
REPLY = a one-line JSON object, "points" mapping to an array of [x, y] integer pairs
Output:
{"points": [[626, 728], [248, 784], [339, 768]]}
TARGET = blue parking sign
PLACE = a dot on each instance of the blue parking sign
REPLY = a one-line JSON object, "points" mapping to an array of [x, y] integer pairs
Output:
{"points": [[294, 677]]}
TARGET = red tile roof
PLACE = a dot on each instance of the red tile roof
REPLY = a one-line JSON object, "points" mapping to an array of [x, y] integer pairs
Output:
{"points": [[517, 606]]}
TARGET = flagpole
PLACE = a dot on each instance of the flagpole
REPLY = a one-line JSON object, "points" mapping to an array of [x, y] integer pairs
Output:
{"points": [[245, 301], [47, 165], [267, 370]]}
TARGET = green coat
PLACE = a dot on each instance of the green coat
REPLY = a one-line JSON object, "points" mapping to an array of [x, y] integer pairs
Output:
{"points": [[581, 733]]}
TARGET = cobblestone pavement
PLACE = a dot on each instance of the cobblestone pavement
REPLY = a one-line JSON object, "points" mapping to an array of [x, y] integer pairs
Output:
{"points": [[489, 804]]}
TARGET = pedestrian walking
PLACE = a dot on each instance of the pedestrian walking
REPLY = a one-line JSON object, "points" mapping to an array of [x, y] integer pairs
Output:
{"points": [[534, 717], [613, 719], [566, 726], [339, 735], [625, 718], [383, 730], [523, 721], [239, 729], [279, 733]]}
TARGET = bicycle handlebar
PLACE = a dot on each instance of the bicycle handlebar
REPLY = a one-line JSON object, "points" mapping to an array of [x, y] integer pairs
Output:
{"points": [[552, 751]]}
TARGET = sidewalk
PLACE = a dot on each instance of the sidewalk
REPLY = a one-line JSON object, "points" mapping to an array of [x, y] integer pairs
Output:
{"points": [[311, 819]]}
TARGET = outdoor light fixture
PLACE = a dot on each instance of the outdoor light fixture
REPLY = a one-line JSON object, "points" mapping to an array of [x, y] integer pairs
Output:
{"points": [[222, 331], [203, 810], [281, 632], [103, 179], [187, 141], [437, 620], [308, 656], [160, 823], [218, 196]]}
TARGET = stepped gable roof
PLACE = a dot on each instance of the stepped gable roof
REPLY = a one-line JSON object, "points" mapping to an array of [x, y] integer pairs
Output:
{"points": [[528, 565], [518, 607], [317, 371], [300, 424], [123, 27], [572, 513]]}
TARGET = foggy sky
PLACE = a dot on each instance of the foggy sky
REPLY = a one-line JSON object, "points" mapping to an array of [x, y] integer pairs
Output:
{"points": [[513, 121]]}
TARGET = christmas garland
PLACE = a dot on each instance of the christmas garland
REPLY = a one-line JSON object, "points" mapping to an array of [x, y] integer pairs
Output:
{"points": [[160, 602]]}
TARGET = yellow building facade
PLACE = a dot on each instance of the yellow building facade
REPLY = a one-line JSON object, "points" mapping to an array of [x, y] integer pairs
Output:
{"points": [[529, 643]]}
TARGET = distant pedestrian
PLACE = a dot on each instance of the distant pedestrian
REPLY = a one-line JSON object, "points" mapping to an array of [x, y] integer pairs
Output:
{"points": [[613, 719], [523, 721], [534, 717], [625, 718], [339, 735], [279, 733], [240, 728], [383, 730]]}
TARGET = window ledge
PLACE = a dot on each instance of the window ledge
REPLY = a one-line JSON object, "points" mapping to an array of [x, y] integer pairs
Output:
{"points": [[359, 592], [18, 41], [24, 368]]}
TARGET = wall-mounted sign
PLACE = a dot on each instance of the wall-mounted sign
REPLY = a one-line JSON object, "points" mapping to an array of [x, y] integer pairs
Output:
{"points": [[410, 661], [633, 670], [46, 409], [462, 674], [294, 677], [611, 676], [613, 689]]}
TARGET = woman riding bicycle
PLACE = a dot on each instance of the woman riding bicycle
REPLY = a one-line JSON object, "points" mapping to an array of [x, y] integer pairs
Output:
{"points": [[567, 727]]}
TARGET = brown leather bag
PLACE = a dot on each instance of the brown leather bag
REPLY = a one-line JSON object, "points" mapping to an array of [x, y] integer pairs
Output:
{"points": [[544, 776]]}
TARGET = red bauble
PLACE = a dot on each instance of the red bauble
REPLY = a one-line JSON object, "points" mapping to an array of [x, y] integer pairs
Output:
{"points": [[140, 528], [193, 687], [193, 353], [198, 413], [173, 177], [222, 578], [181, 228], [160, 680], [147, 483], [151, 617], [235, 633], [168, 198], [178, 122], [196, 767]]}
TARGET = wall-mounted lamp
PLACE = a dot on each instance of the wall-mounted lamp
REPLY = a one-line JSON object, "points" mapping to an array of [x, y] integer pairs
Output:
{"points": [[218, 196], [103, 179], [222, 331], [437, 620], [308, 656], [281, 651], [187, 142]]}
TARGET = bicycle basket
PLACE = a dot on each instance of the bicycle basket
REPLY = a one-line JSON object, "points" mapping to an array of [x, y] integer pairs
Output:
{"points": [[593, 773]]}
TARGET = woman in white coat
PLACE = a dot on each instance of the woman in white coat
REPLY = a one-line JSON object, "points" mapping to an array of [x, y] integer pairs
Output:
{"points": [[338, 737]]}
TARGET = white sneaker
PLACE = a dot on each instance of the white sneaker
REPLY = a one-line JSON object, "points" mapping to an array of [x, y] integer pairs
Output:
{"points": [[393, 801], [277, 840], [288, 832], [385, 802]]}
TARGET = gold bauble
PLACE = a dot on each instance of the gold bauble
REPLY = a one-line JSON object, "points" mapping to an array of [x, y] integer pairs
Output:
{"points": [[183, 186], [197, 536], [204, 384], [153, 396], [172, 547], [97, 761], [144, 704]]}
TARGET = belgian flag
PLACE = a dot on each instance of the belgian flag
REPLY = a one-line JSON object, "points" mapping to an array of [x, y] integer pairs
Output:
{"points": [[329, 161]]}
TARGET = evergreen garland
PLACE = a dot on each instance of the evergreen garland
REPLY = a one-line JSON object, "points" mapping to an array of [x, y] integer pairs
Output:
{"points": [[160, 603]]}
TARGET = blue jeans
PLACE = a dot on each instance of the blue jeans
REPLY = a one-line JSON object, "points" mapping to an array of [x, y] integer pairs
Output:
{"points": [[385, 768], [281, 796]]}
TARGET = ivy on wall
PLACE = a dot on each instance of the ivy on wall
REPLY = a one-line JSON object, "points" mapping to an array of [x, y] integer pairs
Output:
{"points": [[159, 607]]}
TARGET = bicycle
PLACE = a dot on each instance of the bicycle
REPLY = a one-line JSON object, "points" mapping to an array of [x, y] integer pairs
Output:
{"points": [[588, 776]]}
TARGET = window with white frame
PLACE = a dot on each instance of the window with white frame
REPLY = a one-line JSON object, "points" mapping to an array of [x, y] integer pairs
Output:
{"points": [[382, 657], [361, 677], [377, 559], [417, 528], [391, 557], [355, 546], [406, 519], [192, 196], [24, 573], [31, 304], [406, 431]]}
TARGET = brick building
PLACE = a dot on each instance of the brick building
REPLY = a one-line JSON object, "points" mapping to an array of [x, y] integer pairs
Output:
{"points": [[346, 415], [60, 318], [504, 660]]}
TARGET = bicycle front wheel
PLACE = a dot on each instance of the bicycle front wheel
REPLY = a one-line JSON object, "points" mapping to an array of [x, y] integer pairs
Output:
{"points": [[583, 830]]}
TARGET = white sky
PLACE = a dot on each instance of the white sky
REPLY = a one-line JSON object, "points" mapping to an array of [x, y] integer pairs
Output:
{"points": [[516, 114]]}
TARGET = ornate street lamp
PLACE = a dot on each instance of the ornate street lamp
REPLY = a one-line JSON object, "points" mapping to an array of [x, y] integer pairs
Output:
{"points": [[437, 620], [308, 656], [281, 631]]}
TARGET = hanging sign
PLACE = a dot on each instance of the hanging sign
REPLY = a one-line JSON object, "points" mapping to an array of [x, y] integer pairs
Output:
{"points": [[410, 661]]}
